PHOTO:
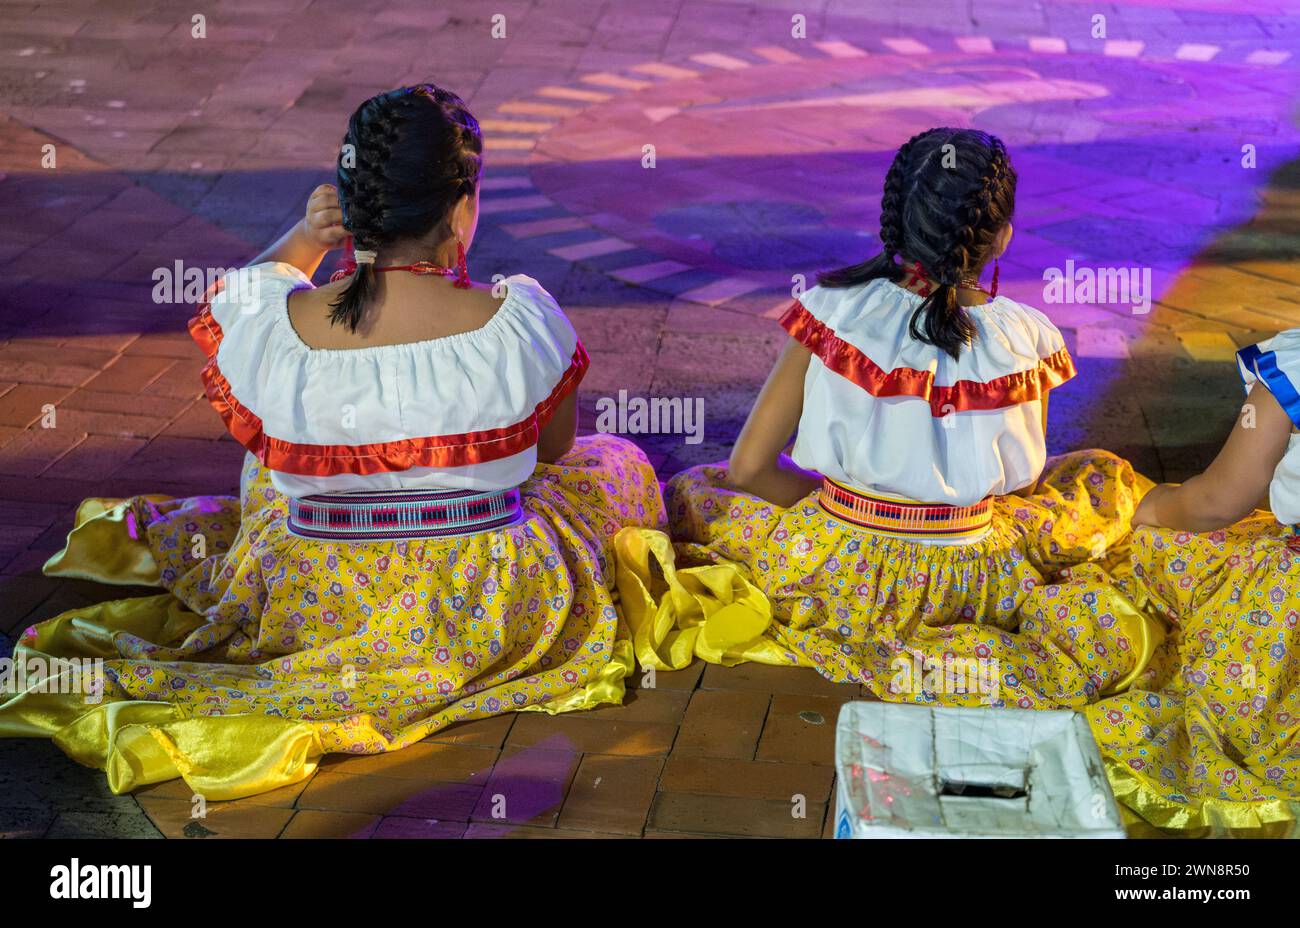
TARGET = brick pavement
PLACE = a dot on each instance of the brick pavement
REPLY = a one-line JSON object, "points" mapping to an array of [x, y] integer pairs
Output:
{"points": [[768, 152]]}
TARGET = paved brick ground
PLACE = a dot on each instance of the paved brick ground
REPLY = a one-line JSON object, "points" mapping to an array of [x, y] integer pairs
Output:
{"points": [[769, 150]]}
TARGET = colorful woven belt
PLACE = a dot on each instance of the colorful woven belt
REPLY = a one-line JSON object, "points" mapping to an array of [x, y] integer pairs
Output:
{"points": [[402, 514], [904, 518]]}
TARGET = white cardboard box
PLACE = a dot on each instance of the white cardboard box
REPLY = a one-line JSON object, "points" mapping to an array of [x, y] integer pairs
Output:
{"points": [[910, 771]]}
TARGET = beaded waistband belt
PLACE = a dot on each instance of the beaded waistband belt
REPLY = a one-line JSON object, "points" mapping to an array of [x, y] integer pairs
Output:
{"points": [[905, 519], [402, 514]]}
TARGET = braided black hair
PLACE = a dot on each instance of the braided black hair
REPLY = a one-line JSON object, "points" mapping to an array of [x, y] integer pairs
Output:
{"points": [[942, 208], [415, 152]]}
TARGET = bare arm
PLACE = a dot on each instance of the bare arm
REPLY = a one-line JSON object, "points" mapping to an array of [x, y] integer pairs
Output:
{"points": [[757, 464], [307, 243], [557, 435], [1237, 479]]}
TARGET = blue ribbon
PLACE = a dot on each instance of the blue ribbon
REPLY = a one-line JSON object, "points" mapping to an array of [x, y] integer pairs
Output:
{"points": [[1264, 364]]}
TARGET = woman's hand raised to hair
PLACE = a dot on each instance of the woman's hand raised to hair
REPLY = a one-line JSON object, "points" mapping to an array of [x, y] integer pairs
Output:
{"points": [[323, 224], [319, 231]]}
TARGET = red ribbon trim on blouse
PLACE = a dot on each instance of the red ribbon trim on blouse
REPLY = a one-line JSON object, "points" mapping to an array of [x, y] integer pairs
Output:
{"points": [[963, 396], [384, 457]]}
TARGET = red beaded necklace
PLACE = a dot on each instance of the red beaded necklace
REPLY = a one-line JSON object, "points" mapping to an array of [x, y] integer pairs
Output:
{"points": [[915, 276], [460, 273]]}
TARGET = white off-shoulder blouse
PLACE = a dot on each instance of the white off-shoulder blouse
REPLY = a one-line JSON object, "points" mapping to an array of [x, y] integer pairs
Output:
{"points": [[1276, 364], [461, 412], [894, 416]]}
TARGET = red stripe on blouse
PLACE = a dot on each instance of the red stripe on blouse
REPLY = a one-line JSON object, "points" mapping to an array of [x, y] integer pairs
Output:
{"points": [[384, 457], [963, 396]]}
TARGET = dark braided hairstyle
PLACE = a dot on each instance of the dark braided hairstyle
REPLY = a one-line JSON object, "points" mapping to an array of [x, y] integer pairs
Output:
{"points": [[418, 150], [945, 213]]}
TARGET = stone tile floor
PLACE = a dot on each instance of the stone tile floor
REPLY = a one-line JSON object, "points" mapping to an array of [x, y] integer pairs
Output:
{"points": [[769, 151]]}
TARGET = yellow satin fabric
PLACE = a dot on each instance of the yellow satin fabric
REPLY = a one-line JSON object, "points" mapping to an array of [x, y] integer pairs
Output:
{"points": [[1150, 814], [106, 546], [138, 742], [711, 612], [1138, 624]]}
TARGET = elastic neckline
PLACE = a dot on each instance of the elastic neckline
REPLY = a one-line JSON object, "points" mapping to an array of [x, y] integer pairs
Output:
{"points": [[283, 320]]}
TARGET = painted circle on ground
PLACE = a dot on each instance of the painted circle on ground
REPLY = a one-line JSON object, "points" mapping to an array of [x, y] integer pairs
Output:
{"points": [[774, 168]]}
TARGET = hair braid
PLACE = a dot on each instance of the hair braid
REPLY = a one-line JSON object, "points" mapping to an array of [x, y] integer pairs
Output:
{"points": [[416, 152], [946, 196]]}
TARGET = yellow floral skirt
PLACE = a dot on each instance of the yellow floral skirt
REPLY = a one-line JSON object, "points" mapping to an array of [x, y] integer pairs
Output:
{"points": [[1207, 739], [1027, 605], [270, 650]]}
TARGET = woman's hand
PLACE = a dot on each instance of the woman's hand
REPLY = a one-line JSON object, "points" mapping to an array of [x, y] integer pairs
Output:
{"points": [[323, 224], [319, 231]]}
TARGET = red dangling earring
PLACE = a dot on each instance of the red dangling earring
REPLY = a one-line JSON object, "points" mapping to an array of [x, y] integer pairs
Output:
{"points": [[348, 265], [462, 281], [993, 285]]}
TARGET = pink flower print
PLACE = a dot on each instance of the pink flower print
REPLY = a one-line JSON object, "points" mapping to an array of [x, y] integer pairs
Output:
{"points": [[442, 655], [1114, 716], [408, 600]]}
